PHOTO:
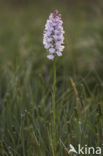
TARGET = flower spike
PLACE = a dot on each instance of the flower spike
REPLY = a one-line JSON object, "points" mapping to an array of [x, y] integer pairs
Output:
{"points": [[53, 38]]}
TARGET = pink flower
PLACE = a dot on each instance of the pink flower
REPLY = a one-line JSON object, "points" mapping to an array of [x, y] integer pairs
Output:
{"points": [[53, 35]]}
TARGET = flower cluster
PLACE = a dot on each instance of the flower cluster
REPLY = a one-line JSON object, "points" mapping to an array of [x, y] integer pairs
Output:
{"points": [[53, 35]]}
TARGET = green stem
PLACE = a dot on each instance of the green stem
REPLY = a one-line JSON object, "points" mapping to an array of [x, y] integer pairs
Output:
{"points": [[53, 105]]}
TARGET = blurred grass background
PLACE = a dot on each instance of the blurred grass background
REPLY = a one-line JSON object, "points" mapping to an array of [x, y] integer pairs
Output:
{"points": [[26, 77]]}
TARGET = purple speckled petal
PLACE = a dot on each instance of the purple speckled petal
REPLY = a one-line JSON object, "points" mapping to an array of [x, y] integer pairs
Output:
{"points": [[59, 53], [50, 57]]}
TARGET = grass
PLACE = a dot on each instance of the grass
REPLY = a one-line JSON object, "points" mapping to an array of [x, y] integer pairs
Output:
{"points": [[26, 80]]}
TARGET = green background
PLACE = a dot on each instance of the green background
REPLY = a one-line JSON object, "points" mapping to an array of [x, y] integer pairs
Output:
{"points": [[26, 77]]}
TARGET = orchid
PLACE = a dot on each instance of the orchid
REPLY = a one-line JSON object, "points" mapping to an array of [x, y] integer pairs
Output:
{"points": [[53, 38]]}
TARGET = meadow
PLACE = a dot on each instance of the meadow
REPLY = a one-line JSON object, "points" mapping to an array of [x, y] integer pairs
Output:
{"points": [[26, 78]]}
